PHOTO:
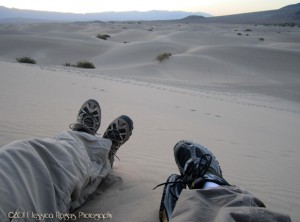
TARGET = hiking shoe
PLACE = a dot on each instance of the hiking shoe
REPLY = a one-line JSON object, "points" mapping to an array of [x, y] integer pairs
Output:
{"points": [[171, 192], [118, 132], [197, 164], [88, 118]]}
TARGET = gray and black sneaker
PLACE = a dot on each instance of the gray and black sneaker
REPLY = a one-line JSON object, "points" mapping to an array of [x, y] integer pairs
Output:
{"points": [[118, 132], [88, 118], [172, 189], [197, 164]]}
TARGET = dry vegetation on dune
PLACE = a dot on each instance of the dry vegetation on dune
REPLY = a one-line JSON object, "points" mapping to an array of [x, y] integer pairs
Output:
{"points": [[163, 56], [26, 59], [103, 36], [81, 64]]}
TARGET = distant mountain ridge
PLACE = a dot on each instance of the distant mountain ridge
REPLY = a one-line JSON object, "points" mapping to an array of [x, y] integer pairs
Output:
{"points": [[15, 15], [287, 14]]}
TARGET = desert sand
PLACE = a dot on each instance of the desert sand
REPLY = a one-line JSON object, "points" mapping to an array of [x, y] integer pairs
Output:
{"points": [[231, 92]]}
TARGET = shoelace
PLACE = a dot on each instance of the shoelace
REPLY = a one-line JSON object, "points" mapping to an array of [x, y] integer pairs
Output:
{"points": [[174, 182], [88, 119], [200, 171], [197, 169], [73, 125], [114, 154]]}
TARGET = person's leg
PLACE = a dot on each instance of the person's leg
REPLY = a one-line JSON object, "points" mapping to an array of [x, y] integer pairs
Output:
{"points": [[118, 131], [211, 197], [196, 165], [222, 203], [71, 155]]}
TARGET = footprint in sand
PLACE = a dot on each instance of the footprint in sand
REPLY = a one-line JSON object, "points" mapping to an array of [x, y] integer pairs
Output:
{"points": [[218, 116]]}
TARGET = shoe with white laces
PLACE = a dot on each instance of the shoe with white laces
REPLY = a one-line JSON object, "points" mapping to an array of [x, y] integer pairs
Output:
{"points": [[88, 118]]}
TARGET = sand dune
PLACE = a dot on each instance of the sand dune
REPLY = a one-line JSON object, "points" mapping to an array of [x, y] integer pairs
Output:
{"points": [[233, 93]]}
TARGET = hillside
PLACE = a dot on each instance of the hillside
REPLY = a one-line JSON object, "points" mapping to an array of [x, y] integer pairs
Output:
{"points": [[288, 14]]}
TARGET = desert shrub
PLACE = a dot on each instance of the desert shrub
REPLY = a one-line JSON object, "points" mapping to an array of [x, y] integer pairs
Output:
{"points": [[289, 24], [261, 39], [248, 30], [81, 64], [103, 36], [239, 33], [163, 56], [26, 59], [67, 64], [84, 64]]}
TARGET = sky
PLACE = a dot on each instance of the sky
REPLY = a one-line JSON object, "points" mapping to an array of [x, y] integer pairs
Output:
{"points": [[214, 7]]}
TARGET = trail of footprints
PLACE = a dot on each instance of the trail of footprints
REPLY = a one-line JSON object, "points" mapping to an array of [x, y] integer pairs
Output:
{"points": [[181, 87]]}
